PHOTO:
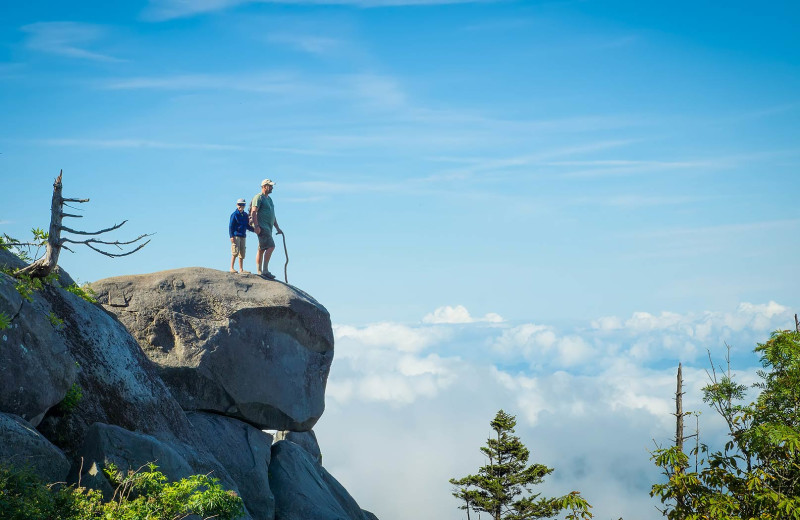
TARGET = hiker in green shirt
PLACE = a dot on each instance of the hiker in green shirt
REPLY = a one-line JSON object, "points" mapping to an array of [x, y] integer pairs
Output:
{"points": [[263, 215]]}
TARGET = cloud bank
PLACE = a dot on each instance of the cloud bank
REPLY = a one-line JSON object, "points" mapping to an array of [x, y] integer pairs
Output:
{"points": [[409, 404]]}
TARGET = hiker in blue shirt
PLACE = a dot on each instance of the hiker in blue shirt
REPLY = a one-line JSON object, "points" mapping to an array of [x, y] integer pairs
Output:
{"points": [[237, 229]]}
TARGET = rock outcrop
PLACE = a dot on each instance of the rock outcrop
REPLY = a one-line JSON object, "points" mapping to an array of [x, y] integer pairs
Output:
{"points": [[180, 368], [233, 344]]}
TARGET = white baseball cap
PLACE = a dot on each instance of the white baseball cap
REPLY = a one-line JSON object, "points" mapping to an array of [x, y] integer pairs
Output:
{"points": [[267, 181], [241, 201]]}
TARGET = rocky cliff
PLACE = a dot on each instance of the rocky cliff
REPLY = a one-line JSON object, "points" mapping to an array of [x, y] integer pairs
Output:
{"points": [[185, 368]]}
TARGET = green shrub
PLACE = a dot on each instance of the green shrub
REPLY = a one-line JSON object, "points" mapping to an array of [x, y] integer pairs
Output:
{"points": [[84, 292], [5, 321], [55, 321], [71, 400], [139, 495]]}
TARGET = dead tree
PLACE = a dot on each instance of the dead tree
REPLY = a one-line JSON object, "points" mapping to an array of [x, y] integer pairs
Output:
{"points": [[55, 242]]}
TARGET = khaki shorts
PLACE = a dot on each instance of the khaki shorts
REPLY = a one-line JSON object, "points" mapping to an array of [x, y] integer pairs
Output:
{"points": [[265, 240], [237, 247]]}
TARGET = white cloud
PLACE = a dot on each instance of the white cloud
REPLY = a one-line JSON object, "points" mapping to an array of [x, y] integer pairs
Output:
{"points": [[541, 345], [69, 39], [391, 335], [756, 317], [458, 314]]}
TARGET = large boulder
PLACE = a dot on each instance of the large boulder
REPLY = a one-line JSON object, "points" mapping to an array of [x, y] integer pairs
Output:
{"points": [[36, 367], [238, 345], [22, 447], [244, 452], [304, 490]]}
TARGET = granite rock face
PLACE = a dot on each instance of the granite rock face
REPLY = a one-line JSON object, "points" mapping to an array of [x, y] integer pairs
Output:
{"points": [[238, 345], [21, 446], [119, 385], [306, 440], [244, 452], [36, 367], [304, 490]]}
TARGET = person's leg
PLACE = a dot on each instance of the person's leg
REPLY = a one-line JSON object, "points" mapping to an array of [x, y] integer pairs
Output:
{"points": [[267, 256], [233, 259], [241, 264], [259, 255]]}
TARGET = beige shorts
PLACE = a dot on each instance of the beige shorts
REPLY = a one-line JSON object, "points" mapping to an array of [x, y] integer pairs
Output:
{"points": [[237, 247]]}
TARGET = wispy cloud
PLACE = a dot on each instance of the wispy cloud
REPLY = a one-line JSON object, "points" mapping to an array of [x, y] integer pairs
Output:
{"points": [[161, 10], [70, 39], [363, 89], [735, 229], [135, 143], [312, 44]]}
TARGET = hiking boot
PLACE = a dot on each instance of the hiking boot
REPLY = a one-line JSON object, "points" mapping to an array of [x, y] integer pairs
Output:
{"points": [[269, 276]]}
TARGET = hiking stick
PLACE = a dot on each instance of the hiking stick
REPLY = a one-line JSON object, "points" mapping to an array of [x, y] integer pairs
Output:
{"points": [[285, 252]]}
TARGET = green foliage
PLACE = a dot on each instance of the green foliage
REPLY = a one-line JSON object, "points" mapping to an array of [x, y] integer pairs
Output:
{"points": [[84, 292], [501, 488], [55, 321], [5, 321], [756, 474], [139, 495], [71, 400], [15, 246], [26, 286]]}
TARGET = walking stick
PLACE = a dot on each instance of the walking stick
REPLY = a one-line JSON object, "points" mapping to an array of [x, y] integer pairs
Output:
{"points": [[285, 252]]}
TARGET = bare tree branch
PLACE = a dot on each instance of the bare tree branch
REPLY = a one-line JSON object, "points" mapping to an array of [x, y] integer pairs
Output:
{"points": [[71, 215], [75, 200], [114, 255], [112, 228], [96, 241]]}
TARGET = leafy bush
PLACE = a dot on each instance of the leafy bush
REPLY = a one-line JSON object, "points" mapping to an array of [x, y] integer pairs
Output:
{"points": [[71, 400], [55, 321], [84, 292], [5, 321], [139, 495]]}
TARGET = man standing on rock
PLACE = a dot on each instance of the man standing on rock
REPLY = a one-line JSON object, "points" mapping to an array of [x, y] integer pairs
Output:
{"points": [[237, 229], [263, 216]]}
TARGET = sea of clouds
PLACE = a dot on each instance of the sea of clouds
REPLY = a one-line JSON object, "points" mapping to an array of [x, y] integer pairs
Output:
{"points": [[408, 405]]}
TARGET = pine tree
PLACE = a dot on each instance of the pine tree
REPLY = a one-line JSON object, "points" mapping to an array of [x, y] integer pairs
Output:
{"points": [[502, 487]]}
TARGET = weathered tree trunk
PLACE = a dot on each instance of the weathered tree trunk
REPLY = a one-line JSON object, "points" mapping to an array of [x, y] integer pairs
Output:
{"points": [[55, 242], [679, 429], [45, 265]]}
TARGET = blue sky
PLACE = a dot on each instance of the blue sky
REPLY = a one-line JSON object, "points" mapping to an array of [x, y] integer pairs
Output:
{"points": [[564, 189]]}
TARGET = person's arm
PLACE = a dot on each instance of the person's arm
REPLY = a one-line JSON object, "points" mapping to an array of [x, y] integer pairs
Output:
{"points": [[277, 227], [231, 226], [256, 227]]}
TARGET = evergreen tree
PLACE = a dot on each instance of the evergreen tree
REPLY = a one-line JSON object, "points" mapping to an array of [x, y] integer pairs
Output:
{"points": [[502, 487], [757, 472]]}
